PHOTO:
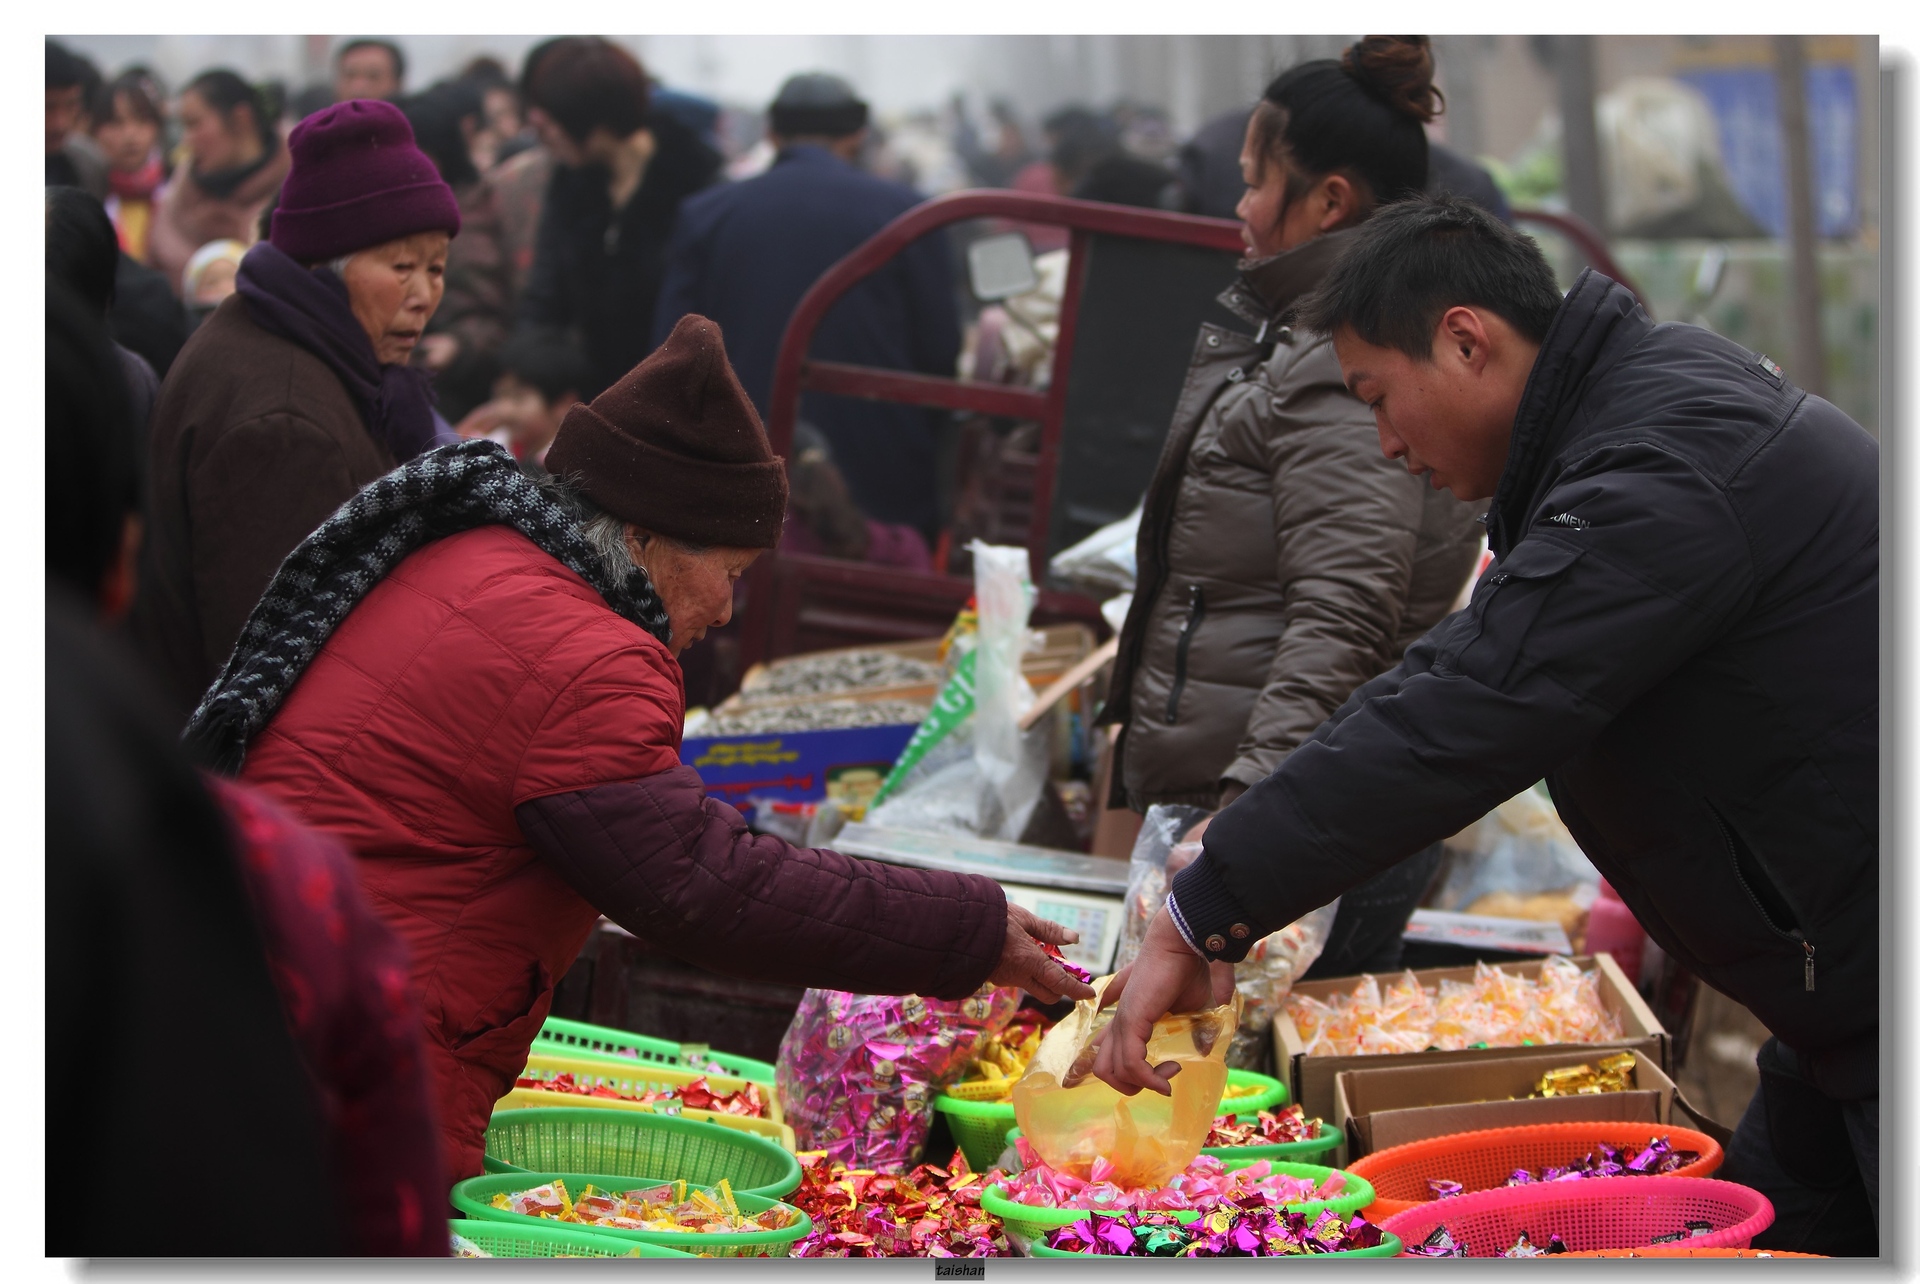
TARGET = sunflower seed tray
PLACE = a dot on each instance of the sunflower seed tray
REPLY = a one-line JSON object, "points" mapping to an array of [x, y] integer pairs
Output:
{"points": [[822, 715], [842, 671]]}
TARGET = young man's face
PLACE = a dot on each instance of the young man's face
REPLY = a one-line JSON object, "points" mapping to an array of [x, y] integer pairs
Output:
{"points": [[530, 419], [1450, 417], [366, 72], [63, 115]]}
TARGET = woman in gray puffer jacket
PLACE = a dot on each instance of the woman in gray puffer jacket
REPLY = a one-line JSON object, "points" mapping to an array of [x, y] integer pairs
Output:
{"points": [[1283, 559]]}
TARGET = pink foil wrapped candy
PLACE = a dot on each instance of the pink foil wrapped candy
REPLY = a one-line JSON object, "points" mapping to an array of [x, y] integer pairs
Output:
{"points": [[857, 1072]]}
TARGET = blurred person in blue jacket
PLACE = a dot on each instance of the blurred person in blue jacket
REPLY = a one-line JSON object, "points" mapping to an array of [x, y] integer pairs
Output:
{"points": [[745, 254]]}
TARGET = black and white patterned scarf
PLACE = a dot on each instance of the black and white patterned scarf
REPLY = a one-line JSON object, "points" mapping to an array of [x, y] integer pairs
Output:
{"points": [[442, 492]]}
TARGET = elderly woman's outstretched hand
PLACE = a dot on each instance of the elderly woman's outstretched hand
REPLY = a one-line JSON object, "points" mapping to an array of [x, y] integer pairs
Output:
{"points": [[1166, 976], [1025, 964]]}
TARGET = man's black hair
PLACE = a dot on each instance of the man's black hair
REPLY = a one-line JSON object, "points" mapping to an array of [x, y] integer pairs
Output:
{"points": [[1126, 179], [587, 83], [93, 450], [547, 362], [83, 251], [65, 68], [436, 116], [1080, 140], [1413, 260], [371, 42]]}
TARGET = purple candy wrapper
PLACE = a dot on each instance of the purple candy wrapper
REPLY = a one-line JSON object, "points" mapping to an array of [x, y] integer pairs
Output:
{"points": [[857, 1072]]}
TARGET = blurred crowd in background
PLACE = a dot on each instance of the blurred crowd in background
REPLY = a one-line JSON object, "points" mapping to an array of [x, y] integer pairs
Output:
{"points": [[1685, 168]]}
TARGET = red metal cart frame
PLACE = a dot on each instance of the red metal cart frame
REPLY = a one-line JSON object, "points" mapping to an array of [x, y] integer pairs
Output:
{"points": [[768, 625]]}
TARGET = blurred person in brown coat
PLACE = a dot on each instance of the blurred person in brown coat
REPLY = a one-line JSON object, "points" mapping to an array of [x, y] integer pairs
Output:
{"points": [[234, 164]]}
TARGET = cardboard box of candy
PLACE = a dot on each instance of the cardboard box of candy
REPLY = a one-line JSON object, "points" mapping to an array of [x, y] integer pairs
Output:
{"points": [[1311, 1075], [1391, 1105]]}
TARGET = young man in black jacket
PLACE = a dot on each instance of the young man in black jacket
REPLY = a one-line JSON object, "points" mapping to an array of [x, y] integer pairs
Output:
{"points": [[622, 171], [1680, 635]]}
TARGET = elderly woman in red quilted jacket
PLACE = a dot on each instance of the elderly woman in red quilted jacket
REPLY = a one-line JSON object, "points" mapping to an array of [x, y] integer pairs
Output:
{"points": [[469, 676]]}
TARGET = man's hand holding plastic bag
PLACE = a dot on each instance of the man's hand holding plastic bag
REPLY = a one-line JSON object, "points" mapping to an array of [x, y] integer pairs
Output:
{"points": [[1166, 976]]}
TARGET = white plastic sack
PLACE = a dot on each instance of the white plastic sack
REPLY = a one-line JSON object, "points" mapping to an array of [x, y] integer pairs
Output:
{"points": [[1013, 763], [1104, 561], [1657, 141], [992, 786], [1520, 847]]}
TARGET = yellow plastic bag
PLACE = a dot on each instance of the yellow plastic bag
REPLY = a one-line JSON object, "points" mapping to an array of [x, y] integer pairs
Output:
{"points": [[1071, 1118]]}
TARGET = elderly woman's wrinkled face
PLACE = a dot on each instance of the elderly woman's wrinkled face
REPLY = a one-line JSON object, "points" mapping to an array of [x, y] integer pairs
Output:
{"points": [[394, 289], [696, 587]]}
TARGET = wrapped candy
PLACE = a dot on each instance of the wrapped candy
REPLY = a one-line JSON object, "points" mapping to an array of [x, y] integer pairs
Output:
{"points": [[1205, 1184], [1225, 1232], [1609, 1074], [461, 1246], [1441, 1243], [1441, 1188], [549, 1200], [1269, 1128], [932, 1211], [749, 1101], [1496, 1009], [1369, 1021], [1438, 1243], [1122, 1235], [1073, 970], [1657, 1159], [675, 1206], [1690, 1230], [857, 1073], [1000, 1059], [1525, 1247]]}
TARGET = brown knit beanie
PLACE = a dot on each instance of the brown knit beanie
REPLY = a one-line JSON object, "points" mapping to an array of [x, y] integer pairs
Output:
{"points": [[676, 447]]}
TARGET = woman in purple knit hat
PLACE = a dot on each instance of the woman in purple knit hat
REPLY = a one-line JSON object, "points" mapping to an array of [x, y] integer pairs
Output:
{"points": [[297, 391]]}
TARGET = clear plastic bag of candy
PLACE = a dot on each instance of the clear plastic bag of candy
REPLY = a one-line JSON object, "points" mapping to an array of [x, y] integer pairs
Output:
{"points": [[857, 1072]]}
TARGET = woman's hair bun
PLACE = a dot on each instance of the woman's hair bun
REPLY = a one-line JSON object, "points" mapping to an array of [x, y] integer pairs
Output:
{"points": [[1399, 71]]}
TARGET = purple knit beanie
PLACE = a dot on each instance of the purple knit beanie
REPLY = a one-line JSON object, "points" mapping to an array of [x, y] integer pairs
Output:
{"points": [[357, 180]]}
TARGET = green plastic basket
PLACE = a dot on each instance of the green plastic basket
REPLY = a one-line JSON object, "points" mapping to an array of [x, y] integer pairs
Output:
{"points": [[1272, 1092], [474, 1195], [638, 1146], [1389, 1246], [578, 1039], [981, 1127], [1298, 1152], [552, 1240], [1032, 1223]]}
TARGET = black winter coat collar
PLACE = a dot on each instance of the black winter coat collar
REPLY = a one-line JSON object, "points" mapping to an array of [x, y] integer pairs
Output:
{"points": [[1599, 321]]}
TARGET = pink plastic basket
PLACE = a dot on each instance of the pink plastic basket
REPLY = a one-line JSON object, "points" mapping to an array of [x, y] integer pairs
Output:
{"points": [[1619, 1212]]}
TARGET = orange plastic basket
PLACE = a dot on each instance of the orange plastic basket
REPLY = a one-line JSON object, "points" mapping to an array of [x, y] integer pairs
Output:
{"points": [[1484, 1160]]}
